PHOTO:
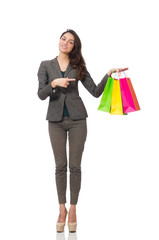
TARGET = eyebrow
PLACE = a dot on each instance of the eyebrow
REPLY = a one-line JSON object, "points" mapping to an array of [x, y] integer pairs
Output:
{"points": [[69, 39]]}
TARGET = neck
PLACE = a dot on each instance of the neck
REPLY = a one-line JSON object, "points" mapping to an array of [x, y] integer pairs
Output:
{"points": [[63, 57]]}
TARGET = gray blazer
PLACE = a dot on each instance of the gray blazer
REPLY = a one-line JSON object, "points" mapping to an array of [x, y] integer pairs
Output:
{"points": [[50, 70]]}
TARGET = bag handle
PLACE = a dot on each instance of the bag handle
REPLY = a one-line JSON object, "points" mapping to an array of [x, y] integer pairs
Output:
{"points": [[123, 73], [117, 72]]}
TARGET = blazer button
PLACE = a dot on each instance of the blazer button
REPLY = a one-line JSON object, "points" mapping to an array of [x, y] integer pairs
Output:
{"points": [[53, 90]]}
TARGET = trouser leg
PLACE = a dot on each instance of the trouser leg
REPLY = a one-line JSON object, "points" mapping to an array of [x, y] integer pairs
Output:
{"points": [[58, 138], [77, 137]]}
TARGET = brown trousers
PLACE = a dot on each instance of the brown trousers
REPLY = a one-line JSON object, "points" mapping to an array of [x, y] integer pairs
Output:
{"points": [[77, 133]]}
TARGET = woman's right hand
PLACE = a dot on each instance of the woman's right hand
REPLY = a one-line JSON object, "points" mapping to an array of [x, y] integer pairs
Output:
{"points": [[62, 82]]}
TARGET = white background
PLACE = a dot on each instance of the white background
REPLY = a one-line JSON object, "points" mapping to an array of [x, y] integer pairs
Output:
{"points": [[119, 193]]}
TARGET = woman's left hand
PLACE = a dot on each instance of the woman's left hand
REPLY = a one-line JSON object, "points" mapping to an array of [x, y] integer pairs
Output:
{"points": [[116, 70]]}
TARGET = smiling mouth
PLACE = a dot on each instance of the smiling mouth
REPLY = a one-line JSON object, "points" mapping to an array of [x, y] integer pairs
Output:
{"points": [[64, 47]]}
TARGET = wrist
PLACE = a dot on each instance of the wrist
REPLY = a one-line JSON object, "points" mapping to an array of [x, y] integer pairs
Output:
{"points": [[53, 84], [109, 73]]}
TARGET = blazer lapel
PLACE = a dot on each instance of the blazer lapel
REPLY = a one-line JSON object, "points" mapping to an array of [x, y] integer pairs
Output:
{"points": [[69, 68], [56, 65]]}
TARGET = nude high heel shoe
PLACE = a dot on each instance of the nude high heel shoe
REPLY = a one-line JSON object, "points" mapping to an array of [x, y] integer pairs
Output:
{"points": [[60, 226], [72, 226]]}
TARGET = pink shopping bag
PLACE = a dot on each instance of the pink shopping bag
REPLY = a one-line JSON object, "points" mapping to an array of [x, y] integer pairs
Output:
{"points": [[127, 99]]}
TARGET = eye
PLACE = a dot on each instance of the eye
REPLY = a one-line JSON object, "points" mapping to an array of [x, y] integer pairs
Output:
{"points": [[71, 42]]}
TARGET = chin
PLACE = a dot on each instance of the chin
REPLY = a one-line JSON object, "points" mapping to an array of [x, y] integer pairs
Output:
{"points": [[63, 51]]}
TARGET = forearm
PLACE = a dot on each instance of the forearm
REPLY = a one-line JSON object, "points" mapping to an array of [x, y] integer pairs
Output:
{"points": [[44, 92], [45, 88], [95, 90]]}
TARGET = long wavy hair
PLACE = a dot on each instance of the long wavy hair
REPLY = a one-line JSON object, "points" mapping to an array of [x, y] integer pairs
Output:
{"points": [[75, 56]]}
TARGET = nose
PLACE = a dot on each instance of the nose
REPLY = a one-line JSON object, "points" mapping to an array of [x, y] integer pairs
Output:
{"points": [[65, 42]]}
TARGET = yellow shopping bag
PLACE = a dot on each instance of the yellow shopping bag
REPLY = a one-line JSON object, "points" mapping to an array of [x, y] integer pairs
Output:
{"points": [[116, 103]]}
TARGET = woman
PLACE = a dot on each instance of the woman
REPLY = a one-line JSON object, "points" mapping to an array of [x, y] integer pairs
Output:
{"points": [[58, 79]]}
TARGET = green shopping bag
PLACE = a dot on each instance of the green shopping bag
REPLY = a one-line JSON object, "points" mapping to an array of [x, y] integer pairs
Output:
{"points": [[105, 102]]}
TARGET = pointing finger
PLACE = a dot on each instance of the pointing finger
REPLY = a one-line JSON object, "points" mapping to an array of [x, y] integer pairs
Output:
{"points": [[70, 79]]}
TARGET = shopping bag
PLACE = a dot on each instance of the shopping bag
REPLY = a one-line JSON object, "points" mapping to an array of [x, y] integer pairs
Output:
{"points": [[127, 100], [136, 103], [105, 102], [116, 103]]}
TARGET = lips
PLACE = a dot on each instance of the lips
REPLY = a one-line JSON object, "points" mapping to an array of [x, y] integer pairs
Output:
{"points": [[64, 47]]}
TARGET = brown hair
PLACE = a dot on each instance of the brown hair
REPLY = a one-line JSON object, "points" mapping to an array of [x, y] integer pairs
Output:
{"points": [[75, 56]]}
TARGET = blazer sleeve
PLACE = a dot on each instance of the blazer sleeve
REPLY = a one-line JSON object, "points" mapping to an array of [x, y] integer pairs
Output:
{"points": [[45, 89], [89, 84]]}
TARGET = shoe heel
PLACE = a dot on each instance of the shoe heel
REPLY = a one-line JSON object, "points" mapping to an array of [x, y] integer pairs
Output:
{"points": [[60, 227], [72, 227]]}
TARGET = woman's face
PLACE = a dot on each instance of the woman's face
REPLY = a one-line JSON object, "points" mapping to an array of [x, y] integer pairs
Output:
{"points": [[66, 43]]}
